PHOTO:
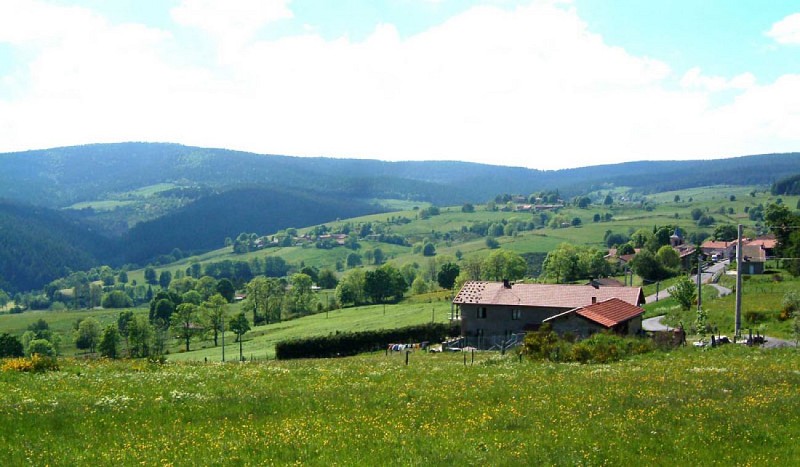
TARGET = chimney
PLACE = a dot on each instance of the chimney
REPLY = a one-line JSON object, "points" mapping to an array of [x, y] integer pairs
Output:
{"points": [[594, 300], [506, 284]]}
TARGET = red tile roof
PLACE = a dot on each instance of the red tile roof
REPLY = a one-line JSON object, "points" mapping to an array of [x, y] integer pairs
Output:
{"points": [[767, 243], [712, 244], [543, 295], [610, 312]]}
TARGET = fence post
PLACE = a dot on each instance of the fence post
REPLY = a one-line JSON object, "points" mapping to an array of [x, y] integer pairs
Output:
{"points": [[407, 352]]}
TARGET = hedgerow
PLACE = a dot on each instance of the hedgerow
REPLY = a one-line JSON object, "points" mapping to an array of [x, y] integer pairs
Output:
{"points": [[352, 343]]}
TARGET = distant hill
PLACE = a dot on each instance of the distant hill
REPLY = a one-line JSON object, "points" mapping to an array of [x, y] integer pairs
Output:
{"points": [[38, 245], [60, 177], [77, 207], [203, 225]]}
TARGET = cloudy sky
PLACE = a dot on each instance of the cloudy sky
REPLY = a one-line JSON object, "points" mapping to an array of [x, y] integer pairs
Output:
{"points": [[541, 84]]}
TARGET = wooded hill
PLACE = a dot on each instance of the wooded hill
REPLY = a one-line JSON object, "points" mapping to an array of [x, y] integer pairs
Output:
{"points": [[72, 208]]}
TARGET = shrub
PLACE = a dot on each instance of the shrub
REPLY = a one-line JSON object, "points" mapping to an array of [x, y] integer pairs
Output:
{"points": [[755, 317], [540, 344], [352, 343], [35, 364]]}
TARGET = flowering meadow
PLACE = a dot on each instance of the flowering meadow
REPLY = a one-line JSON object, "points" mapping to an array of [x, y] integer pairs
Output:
{"points": [[730, 405]]}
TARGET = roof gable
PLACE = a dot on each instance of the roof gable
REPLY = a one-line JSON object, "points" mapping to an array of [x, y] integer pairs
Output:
{"points": [[543, 295], [610, 312]]}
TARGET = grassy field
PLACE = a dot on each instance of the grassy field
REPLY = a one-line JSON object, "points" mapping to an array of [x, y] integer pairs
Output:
{"points": [[260, 342], [733, 405]]}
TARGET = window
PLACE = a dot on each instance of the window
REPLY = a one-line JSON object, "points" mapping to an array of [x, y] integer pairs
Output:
{"points": [[516, 314], [482, 313]]}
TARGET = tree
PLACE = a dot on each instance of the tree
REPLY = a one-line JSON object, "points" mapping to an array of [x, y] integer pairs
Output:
{"points": [[150, 276], [140, 335], [88, 334], [122, 278], [468, 208], [123, 326], [163, 312], [215, 309], [327, 279], [350, 289], [492, 243], [206, 286], [10, 346], [668, 257], [257, 291], [184, 322], [384, 283], [377, 256], [117, 299], [164, 279], [226, 289], [239, 326], [696, 214], [447, 274], [429, 249], [353, 260], [109, 342], [726, 233], [685, 292], [608, 201], [648, 267], [419, 286], [41, 347], [301, 298], [504, 264]]}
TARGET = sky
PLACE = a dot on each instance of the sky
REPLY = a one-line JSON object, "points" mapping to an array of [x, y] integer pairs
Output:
{"points": [[545, 84]]}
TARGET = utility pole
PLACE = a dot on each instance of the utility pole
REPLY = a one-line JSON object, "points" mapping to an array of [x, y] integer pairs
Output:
{"points": [[699, 283], [738, 318]]}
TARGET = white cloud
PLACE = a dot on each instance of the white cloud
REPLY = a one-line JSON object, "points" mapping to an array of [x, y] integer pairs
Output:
{"points": [[694, 79], [232, 22], [787, 30], [530, 86]]}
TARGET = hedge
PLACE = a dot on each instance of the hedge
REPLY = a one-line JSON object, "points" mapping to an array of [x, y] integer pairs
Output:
{"points": [[352, 343]]}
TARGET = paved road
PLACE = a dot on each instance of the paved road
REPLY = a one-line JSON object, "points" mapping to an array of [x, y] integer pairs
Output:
{"points": [[655, 324], [707, 276]]}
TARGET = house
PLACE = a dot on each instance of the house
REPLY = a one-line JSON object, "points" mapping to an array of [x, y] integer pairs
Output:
{"points": [[768, 243], [613, 315], [753, 258], [502, 308], [725, 250]]}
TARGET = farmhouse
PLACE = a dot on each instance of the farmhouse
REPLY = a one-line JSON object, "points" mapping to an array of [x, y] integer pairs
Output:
{"points": [[725, 250], [502, 308], [613, 315]]}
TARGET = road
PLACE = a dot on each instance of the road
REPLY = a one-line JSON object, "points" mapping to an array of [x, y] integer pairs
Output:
{"points": [[707, 276]]}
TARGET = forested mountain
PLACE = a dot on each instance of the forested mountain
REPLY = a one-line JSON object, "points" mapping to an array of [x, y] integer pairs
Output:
{"points": [[205, 224], [77, 207], [38, 245], [63, 176]]}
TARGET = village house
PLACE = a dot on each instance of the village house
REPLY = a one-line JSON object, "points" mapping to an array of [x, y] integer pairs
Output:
{"points": [[502, 308], [615, 315], [723, 250], [753, 258]]}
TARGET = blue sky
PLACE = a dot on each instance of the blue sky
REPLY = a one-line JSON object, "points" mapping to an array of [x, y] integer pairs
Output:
{"points": [[542, 84]]}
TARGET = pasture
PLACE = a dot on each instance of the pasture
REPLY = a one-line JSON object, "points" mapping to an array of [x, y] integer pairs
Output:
{"points": [[730, 405]]}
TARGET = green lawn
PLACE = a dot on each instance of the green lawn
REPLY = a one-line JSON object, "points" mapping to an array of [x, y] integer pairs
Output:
{"points": [[732, 405], [260, 342]]}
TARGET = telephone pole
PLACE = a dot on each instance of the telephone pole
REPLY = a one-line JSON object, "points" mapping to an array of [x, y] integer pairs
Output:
{"points": [[738, 318]]}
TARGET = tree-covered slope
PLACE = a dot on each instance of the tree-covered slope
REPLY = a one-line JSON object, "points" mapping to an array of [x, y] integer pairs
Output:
{"points": [[38, 245], [204, 224], [62, 176]]}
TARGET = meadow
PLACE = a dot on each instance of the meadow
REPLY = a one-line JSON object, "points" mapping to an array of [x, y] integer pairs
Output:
{"points": [[730, 405]]}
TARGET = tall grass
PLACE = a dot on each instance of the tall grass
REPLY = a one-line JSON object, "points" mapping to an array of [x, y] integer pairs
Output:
{"points": [[731, 405]]}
